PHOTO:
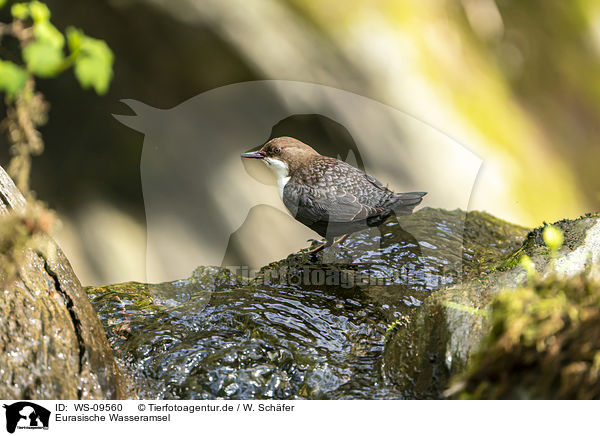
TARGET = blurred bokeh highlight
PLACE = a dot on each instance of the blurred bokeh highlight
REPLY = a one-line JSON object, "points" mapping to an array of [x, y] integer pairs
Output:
{"points": [[515, 82]]}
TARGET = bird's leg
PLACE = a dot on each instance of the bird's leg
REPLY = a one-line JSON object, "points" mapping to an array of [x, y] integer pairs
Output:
{"points": [[342, 239], [328, 243]]}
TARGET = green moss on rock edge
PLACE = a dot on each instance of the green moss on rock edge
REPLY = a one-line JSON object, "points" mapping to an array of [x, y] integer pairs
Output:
{"points": [[440, 340], [544, 343]]}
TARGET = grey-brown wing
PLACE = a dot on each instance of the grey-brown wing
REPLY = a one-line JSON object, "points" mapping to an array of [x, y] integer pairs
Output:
{"points": [[315, 204]]}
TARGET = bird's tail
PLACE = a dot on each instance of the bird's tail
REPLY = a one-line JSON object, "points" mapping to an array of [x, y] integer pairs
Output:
{"points": [[403, 203]]}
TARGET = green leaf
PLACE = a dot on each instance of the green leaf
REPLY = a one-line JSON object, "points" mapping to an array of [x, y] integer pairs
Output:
{"points": [[93, 61], [39, 11], [45, 31], [2, 3], [43, 58], [74, 39], [20, 11], [12, 78]]}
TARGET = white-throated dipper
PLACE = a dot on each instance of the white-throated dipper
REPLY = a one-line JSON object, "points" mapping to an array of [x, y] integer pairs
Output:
{"points": [[328, 195]]}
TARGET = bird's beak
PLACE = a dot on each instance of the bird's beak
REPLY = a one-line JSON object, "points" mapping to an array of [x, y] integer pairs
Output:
{"points": [[254, 155]]}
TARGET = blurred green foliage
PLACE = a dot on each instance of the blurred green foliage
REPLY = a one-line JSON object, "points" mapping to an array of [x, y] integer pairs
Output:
{"points": [[522, 74], [43, 54], [12, 78], [43, 51]]}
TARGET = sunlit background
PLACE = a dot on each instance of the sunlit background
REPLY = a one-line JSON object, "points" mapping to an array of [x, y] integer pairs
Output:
{"points": [[516, 82]]}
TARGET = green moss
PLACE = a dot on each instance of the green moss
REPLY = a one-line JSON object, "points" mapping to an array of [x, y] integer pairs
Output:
{"points": [[17, 233], [534, 244], [485, 239], [510, 262], [544, 343], [394, 326]]}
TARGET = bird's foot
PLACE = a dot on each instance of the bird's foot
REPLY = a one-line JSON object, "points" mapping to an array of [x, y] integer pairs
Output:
{"points": [[313, 253], [328, 243]]}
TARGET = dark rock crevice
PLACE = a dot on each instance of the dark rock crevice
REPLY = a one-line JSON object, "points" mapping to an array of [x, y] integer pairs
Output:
{"points": [[70, 308]]}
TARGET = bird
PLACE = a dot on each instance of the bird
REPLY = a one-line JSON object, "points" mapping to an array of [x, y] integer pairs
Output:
{"points": [[328, 195]]}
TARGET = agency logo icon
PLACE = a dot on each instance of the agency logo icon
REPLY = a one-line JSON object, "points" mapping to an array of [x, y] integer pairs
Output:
{"points": [[26, 415]]}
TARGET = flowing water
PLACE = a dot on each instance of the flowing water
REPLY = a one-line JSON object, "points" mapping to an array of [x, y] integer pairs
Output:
{"points": [[301, 328]]}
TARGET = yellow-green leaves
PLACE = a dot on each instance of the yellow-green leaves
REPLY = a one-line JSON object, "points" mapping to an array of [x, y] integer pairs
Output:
{"points": [[42, 58], [93, 60], [45, 55], [40, 51], [12, 78], [45, 31], [39, 11], [20, 11]]}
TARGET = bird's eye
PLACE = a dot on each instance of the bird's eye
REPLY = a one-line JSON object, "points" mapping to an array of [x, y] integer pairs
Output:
{"points": [[277, 150]]}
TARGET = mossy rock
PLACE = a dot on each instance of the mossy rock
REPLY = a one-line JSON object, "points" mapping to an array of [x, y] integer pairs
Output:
{"points": [[439, 340], [544, 343], [52, 345]]}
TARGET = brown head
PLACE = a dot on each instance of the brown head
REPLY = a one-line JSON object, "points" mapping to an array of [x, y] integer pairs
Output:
{"points": [[284, 155]]}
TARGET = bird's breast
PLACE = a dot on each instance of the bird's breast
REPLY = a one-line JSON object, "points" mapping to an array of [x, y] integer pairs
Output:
{"points": [[281, 172]]}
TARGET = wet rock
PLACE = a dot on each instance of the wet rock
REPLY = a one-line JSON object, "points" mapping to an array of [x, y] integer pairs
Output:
{"points": [[543, 343], [51, 341], [300, 327], [442, 338]]}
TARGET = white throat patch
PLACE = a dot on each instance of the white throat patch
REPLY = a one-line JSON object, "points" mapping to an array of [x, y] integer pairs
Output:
{"points": [[281, 171]]}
